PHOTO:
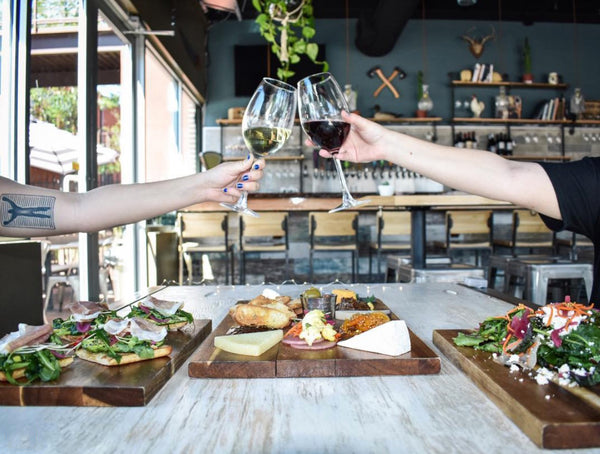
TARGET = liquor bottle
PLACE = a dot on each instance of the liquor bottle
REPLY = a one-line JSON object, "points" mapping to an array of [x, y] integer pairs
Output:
{"points": [[491, 144], [501, 144], [509, 145], [459, 142], [468, 140]]}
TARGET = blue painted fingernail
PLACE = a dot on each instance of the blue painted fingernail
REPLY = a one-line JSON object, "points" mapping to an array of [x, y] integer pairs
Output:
{"points": [[239, 185], [248, 157], [224, 189], [245, 178], [256, 167]]}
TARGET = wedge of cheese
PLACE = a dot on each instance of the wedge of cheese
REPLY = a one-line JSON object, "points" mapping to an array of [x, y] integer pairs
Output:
{"points": [[391, 338], [341, 293], [249, 344]]}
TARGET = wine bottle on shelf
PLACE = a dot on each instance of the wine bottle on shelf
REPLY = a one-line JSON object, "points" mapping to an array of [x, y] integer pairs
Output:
{"points": [[459, 141]]}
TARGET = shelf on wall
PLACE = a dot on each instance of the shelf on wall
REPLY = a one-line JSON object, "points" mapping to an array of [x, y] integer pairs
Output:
{"points": [[408, 120], [509, 121], [460, 83], [267, 158]]}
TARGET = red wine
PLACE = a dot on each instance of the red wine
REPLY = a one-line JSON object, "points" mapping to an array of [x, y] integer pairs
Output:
{"points": [[328, 134]]}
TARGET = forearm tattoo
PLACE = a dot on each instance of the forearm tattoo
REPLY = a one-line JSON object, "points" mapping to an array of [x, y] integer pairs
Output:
{"points": [[27, 211]]}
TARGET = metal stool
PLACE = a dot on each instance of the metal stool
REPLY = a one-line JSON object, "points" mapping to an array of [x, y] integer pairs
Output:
{"points": [[454, 273], [499, 263], [394, 262], [537, 272]]}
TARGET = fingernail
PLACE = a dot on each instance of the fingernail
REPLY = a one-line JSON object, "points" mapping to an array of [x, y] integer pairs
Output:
{"points": [[248, 157], [245, 178], [256, 167], [239, 185], [224, 189]]}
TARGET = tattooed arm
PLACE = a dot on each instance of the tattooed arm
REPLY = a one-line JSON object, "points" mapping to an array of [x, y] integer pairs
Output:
{"points": [[32, 211]]}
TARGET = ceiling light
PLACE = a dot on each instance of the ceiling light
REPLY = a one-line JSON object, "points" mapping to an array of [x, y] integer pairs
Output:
{"points": [[466, 2]]}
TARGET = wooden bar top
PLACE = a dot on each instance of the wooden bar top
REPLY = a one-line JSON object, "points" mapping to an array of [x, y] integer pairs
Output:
{"points": [[285, 202]]}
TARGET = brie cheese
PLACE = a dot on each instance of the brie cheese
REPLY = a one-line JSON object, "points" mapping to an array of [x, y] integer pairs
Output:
{"points": [[250, 344], [391, 338]]}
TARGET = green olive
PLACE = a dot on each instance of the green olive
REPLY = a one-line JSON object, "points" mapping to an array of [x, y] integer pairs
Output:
{"points": [[312, 292]]}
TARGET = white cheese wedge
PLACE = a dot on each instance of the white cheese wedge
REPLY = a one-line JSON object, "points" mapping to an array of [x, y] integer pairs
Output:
{"points": [[249, 344], [391, 338], [270, 293]]}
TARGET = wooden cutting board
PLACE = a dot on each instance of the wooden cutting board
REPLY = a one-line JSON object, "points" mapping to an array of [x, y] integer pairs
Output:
{"points": [[552, 416], [88, 384], [285, 361]]}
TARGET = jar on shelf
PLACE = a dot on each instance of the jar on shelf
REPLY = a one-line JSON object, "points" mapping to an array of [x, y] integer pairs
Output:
{"points": [[425, 104], [502, 104]]}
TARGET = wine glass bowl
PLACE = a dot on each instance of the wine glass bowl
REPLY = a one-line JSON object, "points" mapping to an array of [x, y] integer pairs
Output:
{"points": [[320, 106], [266, 125]]}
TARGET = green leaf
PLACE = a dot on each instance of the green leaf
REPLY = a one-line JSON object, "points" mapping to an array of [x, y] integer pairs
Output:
{"points": [[308, 32], [325, 66], [312, 51], [261, 19], [257, 5], [294, 58], [300, 46]]}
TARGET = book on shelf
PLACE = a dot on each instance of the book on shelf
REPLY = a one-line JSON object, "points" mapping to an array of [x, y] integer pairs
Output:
{"points": [[552, 109], [482, 72]]}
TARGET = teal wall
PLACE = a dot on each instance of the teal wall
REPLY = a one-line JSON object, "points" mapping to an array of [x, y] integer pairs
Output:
{"points": [[552, 50]]}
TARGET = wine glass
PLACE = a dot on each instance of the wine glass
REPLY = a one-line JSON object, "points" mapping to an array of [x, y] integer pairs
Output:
{"points": [[266, 126], [320, 105]]}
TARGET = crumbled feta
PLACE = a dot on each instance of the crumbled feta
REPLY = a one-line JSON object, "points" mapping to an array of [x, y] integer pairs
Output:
{"points": [[543, 376], [514, 368]]}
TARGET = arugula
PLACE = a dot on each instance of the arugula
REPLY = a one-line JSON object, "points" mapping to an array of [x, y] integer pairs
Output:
{"points": [[41, 364]]}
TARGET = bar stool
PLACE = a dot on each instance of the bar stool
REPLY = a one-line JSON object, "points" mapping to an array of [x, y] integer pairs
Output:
{"points": [[536, 273]]}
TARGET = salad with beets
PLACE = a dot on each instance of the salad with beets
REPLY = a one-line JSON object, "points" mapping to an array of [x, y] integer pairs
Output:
{"points": [[562, 338]]}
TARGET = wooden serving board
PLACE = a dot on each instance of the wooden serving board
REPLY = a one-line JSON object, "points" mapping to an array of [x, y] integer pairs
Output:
{"points": [[285, 361], [88, 384], [553, 417]]}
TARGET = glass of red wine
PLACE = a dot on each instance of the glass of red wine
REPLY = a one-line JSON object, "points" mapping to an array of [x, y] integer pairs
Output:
{"points": [[266, 126], [320, 105]]}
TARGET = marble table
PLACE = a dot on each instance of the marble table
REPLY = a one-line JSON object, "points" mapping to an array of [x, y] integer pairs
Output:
{"points": [[413, 414]]}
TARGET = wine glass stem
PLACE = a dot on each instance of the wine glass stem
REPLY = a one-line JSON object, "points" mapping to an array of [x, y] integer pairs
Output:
{"points": [[243, 200], [340, 171]]}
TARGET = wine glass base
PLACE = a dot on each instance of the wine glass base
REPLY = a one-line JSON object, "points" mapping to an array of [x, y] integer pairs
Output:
{"points": [[349, 203], [240, 209]]}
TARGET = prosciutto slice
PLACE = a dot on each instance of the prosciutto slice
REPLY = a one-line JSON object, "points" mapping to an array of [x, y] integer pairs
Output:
{"points": [[165, 307], [148, 331], [26, 335], [86, 311], [117, 326]]}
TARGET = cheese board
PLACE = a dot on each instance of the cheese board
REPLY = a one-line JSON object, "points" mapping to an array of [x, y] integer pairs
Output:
{"points": [[285, 361], [88, 384], [552, 416]]}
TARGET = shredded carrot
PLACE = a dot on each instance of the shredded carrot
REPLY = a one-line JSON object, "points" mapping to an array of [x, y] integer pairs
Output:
{"points": [[294, 330]]}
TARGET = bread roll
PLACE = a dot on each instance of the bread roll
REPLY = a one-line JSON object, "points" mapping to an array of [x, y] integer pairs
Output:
{"points": [[251, 315], [126, 358]]}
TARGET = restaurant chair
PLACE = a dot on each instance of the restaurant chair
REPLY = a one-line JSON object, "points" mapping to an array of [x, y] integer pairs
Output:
{"points": [[205, 233], [467, 230], [393, 235], [266, 234], [528, 234], [574, 243], [333, 233], [210, 159]]}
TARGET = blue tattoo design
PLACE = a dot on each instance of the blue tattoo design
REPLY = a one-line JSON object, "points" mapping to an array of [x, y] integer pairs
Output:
{"points": [[27, 211]]}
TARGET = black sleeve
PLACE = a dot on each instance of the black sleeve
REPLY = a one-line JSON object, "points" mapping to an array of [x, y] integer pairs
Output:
{"points": [[577, 187]]}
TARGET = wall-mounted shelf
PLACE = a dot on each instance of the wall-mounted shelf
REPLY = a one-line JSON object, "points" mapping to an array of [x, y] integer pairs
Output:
{"points": [[267, 158], [509, 121], [404, 120], [460, 83]]}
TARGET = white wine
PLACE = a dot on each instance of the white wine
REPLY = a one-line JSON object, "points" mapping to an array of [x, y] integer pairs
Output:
{"points": [[264, 140]]}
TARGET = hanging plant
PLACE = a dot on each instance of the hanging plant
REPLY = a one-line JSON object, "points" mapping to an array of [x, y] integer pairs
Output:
{"points": [[288, 26]]}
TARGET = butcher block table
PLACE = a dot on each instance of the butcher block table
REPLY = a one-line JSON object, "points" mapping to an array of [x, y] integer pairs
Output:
{"points": [[435, 413]]}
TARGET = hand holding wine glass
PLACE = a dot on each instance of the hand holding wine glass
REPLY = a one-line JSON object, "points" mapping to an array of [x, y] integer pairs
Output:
{"points": [[320, 104], [266, 125]]}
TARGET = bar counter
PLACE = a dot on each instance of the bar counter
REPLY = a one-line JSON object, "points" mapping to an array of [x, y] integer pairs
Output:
{"points": [[445, 412]]}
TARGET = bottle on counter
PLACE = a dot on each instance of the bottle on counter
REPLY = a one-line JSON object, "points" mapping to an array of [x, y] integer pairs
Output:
{"points": [[468, 140], [501, 144], [459, 142], [510, 145]]}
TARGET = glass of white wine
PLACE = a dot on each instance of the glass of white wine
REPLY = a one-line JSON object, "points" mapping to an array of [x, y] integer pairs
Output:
{"points": [[266, 125]]}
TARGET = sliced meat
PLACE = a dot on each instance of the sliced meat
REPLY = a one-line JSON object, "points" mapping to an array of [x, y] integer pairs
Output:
{"points": [[163, 306], [146, 330], [27, 335], [85, 311]]}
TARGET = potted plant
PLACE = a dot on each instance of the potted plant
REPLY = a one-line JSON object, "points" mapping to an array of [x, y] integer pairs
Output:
{"points": [[527, 74], [385, 188], [279, 22]]}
